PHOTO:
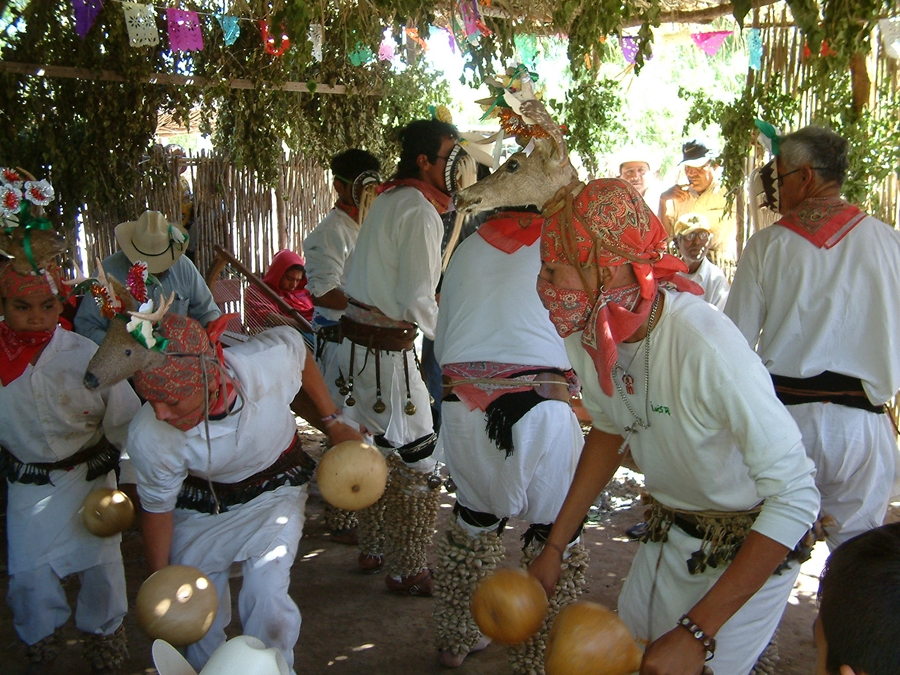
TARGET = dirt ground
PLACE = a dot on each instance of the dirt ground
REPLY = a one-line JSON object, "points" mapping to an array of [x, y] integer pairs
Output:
{"points": [[353, 626]]}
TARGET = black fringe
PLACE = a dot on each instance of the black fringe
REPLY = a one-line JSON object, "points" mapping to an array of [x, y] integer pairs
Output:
{"points": [[504, 412], [101, 458], [196, 495]]}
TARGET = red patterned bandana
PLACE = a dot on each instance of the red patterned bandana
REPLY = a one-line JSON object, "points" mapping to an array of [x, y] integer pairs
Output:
{"points": [[823, 221], [15, 285], [609, 224], [509, 231], [438, 199], [17, 349], [350, 209], [181, 376]]}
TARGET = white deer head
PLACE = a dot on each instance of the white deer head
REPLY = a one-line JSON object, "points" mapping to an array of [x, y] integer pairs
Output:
{"points": [[524, 179]]}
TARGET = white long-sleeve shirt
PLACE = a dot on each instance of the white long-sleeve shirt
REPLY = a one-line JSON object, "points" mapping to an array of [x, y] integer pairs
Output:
{"points": [[47, 415], [719, 439], [807, 310], [490, 309], [397, 261], [328, 249]]}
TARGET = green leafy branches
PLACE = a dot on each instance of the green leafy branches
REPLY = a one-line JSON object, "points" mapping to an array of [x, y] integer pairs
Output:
{"points": [[592, 112]]}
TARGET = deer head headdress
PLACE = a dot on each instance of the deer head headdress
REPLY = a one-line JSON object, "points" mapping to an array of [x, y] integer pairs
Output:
{"points": [[135, 339], [525, 178]]}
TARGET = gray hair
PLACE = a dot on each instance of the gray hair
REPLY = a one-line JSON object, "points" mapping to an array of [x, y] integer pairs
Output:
{"points": [[820, 149]]}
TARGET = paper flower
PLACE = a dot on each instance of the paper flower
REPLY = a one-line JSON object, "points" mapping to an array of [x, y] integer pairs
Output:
{"points": [[176, 235], [136, 281], [39, 192], [11, 177], [10, 198], [141, 329]]}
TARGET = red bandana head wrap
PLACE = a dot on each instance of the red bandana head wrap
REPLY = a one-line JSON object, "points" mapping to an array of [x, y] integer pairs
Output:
{"points": [[18, 348], [15, 285], [608, 224], [181, 376]]}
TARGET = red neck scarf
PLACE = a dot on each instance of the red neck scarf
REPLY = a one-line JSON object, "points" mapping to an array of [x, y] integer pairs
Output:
{"points": [[440, 201], [509, 231], [823, 221], [350, 209], [17, 349], [608, 223]]}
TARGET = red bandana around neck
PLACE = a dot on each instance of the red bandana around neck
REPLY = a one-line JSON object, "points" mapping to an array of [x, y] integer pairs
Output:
{"points": [[509, 231], [438, 199], [350, 209], [823, 221], [17, 349]]}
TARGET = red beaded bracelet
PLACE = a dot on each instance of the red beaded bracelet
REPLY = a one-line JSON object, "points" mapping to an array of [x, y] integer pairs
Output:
{"points": [[697, 633]]}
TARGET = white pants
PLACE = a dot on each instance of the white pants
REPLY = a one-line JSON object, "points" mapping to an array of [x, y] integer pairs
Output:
{"points": [[393, 423], [263, 535], [654, 598], [855, 453], [530, 484], [39, 606]]}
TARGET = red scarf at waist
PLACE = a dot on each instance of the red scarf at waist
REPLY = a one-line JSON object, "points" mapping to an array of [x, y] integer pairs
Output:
{"points": [[509, 231], [823, 221]]}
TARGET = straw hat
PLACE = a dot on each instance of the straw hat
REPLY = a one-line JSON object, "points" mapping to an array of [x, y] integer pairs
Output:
{"points": [[153, 240], [243, 655]]}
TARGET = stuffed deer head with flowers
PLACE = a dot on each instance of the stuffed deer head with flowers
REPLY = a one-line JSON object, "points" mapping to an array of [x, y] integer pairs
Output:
{"points": [[525, 178], [134, 341]]}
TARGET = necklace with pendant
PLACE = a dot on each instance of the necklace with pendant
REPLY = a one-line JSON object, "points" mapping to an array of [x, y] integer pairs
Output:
{"points": [[628, 380]]}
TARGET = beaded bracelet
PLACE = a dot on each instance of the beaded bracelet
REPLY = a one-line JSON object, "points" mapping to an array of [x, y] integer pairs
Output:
{"points": [[328, 420], [697, 633]]}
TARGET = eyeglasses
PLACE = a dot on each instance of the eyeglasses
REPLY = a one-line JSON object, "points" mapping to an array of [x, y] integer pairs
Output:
{"points": [[697, 235], [442, 157], [780, 178]]}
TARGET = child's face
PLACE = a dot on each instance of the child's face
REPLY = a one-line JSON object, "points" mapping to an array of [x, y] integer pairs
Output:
{"points": [[36, 312]]}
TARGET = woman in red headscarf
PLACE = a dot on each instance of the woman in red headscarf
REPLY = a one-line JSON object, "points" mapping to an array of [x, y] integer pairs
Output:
{"points": [[287, 277]]}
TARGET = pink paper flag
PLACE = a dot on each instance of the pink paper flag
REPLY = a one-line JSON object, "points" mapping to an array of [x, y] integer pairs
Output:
{"points": [[709, 43], [184, 30], [386, 50]]}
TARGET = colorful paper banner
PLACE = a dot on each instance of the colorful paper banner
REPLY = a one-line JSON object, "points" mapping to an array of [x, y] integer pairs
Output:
{"points": [[754, 46], [140, 20], [86, 12], [710, 43], [230, 28], [184, 30]]}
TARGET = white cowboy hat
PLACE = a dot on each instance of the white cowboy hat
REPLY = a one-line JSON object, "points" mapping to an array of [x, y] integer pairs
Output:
{"points": [[633, 153], [243, 655], [153, 240]]}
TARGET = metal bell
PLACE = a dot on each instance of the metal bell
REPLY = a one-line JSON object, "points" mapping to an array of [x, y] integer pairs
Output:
{"points": [[350, 401], [449, 485], [434, 481], [340, 382], [379, 406], [410, 408], [344, 390]]}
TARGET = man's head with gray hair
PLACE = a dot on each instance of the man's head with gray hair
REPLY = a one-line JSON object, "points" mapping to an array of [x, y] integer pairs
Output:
{"points": [[812, 162], [820, 149]]}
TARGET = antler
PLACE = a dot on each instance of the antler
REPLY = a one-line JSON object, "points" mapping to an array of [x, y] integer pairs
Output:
{"points": [[155, 317], [535, 109]]}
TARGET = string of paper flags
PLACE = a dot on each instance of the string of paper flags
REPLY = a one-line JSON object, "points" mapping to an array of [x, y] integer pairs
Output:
{"points": [[185, 32]]}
